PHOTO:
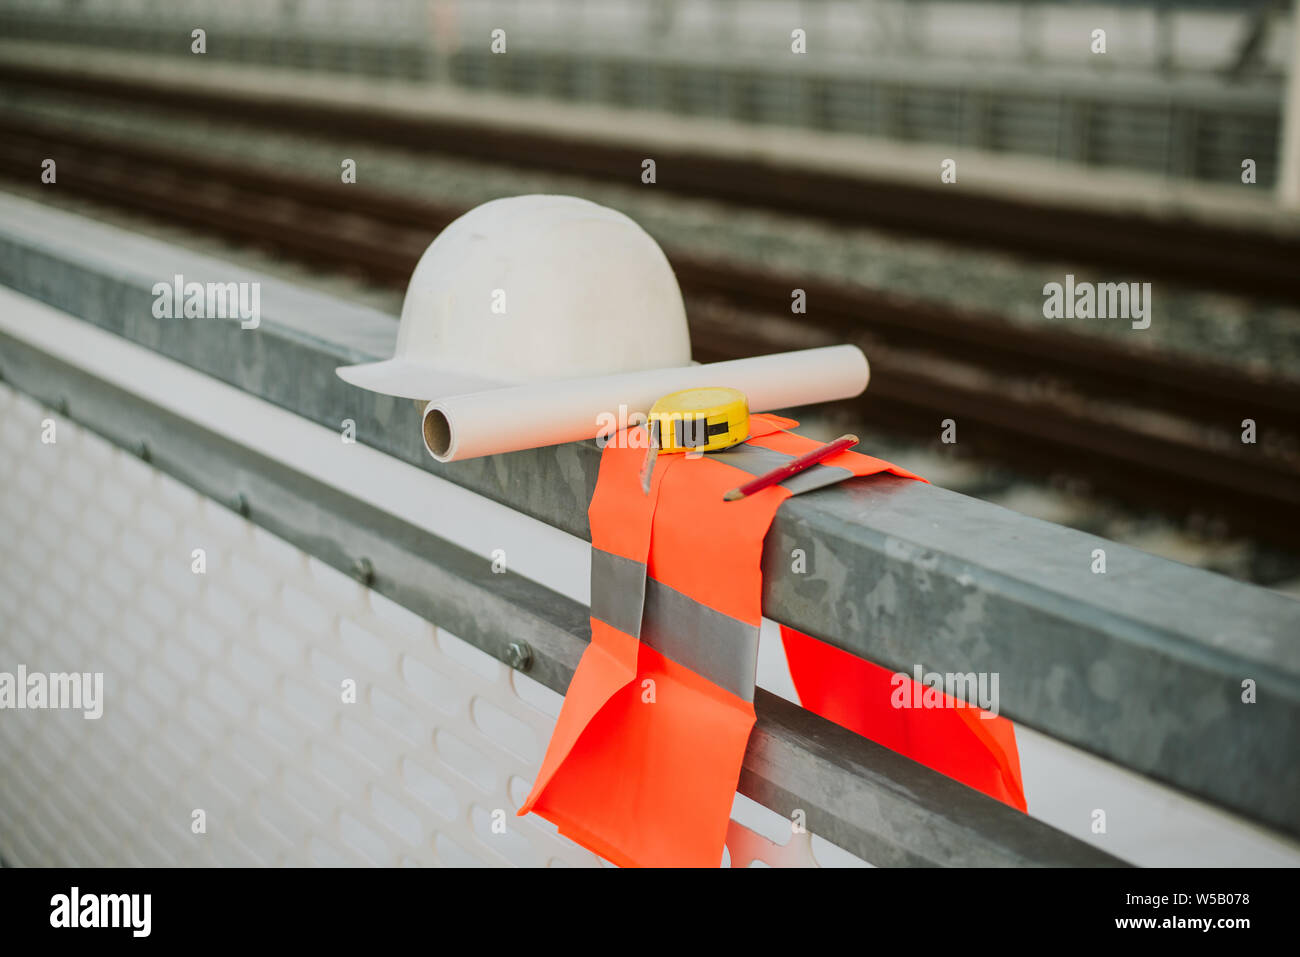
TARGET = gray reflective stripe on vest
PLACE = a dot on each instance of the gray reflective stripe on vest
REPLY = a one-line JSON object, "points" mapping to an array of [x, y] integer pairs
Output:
{"points": [[617, 591], [710, 643], [717, 646], [757, 460]]}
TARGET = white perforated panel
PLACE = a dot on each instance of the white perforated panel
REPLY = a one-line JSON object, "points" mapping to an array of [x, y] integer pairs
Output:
{"points": [[223, 692]]}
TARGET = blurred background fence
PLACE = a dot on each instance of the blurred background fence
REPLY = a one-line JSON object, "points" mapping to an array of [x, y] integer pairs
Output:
{"points": [[1184, 90]]}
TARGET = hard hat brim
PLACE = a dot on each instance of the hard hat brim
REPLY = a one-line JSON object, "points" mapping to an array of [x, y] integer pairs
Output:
{"points": [[408, 379]]}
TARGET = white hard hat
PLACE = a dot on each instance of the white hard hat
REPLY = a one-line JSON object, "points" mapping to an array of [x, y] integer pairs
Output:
{"points": [[531, 288]]}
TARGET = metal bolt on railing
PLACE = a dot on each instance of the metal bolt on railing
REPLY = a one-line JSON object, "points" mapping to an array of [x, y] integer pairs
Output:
{"points": [[519, 655], [363, 571]]}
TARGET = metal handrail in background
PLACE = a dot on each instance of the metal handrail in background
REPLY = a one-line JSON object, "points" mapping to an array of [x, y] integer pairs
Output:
{"points": [[1184, 125]]}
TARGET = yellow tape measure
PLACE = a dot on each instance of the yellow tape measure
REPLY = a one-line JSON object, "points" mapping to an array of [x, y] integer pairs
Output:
{"points": [[695, 420]]}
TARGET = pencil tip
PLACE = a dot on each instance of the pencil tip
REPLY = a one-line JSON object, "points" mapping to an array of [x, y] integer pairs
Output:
{"points": [[732, 495]]}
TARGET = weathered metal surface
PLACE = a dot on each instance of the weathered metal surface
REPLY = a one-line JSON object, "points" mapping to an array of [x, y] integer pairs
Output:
{"points": [[1142, 665]]}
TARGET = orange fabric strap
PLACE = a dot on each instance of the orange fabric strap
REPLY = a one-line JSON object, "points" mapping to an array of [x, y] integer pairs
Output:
{"points": [[643, 763], [960, 741]]}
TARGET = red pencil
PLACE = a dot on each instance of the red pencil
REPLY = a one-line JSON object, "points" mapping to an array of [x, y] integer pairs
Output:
{"points": [[793, 467]]}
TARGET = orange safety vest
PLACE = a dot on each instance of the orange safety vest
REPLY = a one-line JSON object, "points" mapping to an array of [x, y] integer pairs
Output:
{"points": [[643, 762]]}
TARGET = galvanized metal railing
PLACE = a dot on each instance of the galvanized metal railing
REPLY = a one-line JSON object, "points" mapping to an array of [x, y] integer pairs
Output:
{"points": [[1142, 666]]}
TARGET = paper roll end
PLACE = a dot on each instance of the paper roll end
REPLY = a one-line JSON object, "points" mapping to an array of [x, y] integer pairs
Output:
{"points": [[437, 433]]}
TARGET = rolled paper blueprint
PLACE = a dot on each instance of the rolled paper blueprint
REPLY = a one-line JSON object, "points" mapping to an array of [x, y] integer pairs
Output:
{"points": [[570, 410]]}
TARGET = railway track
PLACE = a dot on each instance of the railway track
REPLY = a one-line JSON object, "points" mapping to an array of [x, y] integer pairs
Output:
{"points": [[1149, 429], [1257, 263]]}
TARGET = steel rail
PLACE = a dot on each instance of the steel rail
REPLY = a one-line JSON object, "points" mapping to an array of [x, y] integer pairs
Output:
{"points": [[1256, 262]]}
